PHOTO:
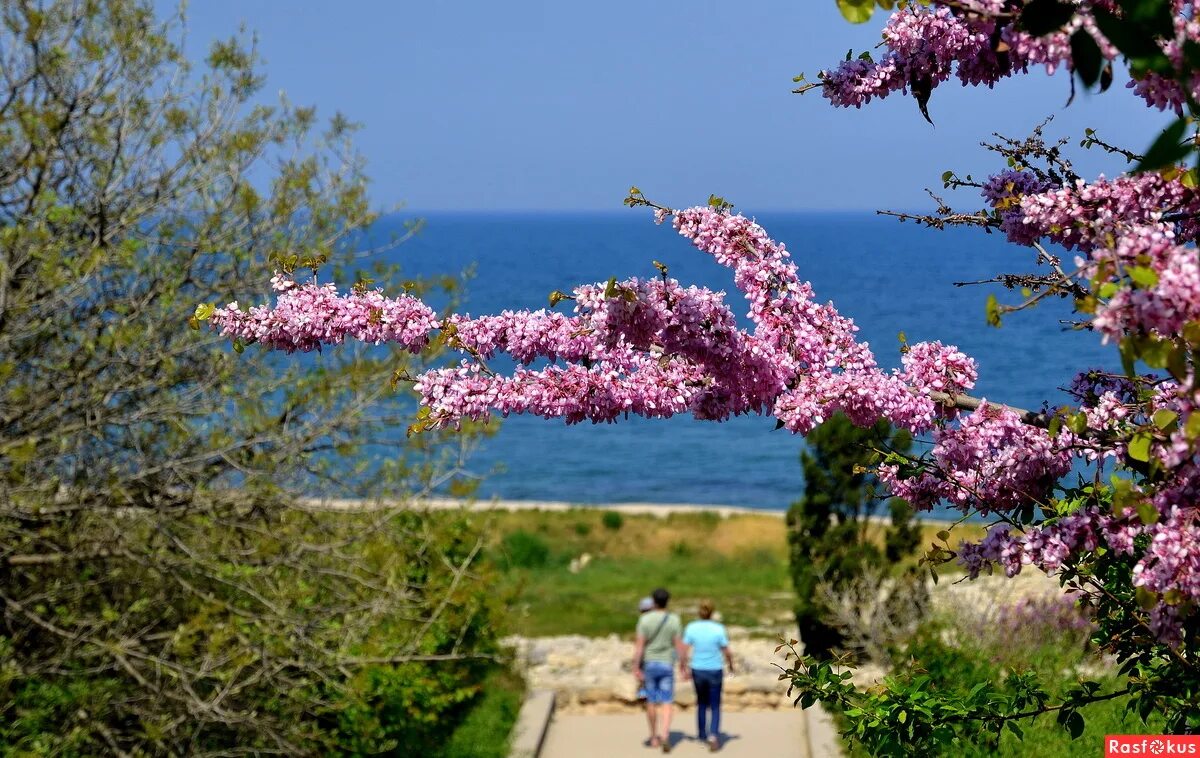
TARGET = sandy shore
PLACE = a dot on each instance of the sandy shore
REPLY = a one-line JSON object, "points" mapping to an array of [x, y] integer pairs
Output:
{"points": [[661, 510]]}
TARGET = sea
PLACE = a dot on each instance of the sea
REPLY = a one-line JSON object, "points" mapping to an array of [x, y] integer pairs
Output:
{"points": [[890, 277]]}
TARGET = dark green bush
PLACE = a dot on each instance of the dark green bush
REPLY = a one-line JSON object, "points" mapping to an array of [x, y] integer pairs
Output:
{"points": [[521, 549], [612, 520], [582, 528], [826, 527]]}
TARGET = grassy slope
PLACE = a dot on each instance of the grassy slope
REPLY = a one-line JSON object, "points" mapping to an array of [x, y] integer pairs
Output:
{"points": [[740, 562]]}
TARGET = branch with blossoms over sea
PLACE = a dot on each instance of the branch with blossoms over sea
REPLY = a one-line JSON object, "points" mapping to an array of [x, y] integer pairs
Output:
{"points": [[656, 348]]}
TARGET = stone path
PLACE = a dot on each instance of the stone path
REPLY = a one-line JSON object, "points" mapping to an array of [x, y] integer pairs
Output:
{"points": [[757, 734]]}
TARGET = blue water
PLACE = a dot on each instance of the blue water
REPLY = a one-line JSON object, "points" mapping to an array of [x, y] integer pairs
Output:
{"points": [[887, 276]]}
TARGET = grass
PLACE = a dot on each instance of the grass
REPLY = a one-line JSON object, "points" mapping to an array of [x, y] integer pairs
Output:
{"points": [[486, 731], [739, 561]]}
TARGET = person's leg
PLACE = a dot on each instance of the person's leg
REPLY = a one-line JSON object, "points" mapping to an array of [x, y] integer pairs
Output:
{"points": [[665, 721], [702, 692], [651, 709], [666, 702], [714, 699]]}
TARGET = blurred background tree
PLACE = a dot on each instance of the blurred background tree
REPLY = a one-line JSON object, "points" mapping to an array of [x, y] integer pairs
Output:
{"points": [[835, 534], [173, 577]]}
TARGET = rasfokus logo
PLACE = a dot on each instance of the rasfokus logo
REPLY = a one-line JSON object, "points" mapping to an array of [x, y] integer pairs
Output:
{"points": [[1151, 744]]}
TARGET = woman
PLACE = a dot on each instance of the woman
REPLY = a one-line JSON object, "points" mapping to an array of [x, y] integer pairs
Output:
{"points": [[706, 643]]}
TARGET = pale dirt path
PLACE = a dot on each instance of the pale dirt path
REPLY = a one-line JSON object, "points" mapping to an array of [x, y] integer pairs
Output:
{"points": [[750, 734]]}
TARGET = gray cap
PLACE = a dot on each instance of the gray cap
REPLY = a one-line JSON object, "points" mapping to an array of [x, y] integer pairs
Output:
{"points": [[645, 604]]}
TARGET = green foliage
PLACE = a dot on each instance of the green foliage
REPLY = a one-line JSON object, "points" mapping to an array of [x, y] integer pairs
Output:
{"points": [[522, 549], [612, 520], [166, 587], [486, 731], [583, 528], [860, 11], [954, 682], [827, 526]]}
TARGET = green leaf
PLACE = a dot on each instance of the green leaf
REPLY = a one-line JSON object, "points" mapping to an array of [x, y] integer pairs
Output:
{"points": [[1192, 427], [1131, 40], [1040, 17], [1147, 513], [1154, 16], [1075, 724], [1089, 62], [1139, 447], [1177, 363], [1164, 418], [993, 311], [204, 311], [1145, 598], [1155, 352], [1142, 276], [856, 11], [1167, 149]]}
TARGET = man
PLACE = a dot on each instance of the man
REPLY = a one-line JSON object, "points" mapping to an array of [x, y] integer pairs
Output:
{"points": [[659, 644]]}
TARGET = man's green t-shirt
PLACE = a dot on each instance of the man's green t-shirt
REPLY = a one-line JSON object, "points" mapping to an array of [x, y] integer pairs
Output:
{"points": [[660, 645]]}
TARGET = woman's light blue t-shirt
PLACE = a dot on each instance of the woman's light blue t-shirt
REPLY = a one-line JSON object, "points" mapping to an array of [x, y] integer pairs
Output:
{"points": [[707, 639]]}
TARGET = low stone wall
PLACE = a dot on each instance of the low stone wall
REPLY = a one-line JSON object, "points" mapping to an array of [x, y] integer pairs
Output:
{"points": [[594, 675]]}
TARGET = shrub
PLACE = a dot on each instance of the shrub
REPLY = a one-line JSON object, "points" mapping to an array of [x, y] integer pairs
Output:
{"points": [[162, 592], [612, 520], [582, 528], [522, 549], [829, 552], [681, 549]]}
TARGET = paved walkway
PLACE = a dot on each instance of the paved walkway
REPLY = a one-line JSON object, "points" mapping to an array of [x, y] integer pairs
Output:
{"points": [[750, 734]]}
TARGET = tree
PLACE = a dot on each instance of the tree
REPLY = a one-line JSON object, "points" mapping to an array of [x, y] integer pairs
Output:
{"points": [[828, 527], [1126, 541], [164, 586]]}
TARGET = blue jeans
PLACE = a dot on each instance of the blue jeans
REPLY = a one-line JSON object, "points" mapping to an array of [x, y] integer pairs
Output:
{"points": [[708, 701], [659, 682]]}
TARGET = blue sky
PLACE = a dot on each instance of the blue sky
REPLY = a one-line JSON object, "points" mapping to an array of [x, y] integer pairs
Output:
{"points": [[562, 105]]}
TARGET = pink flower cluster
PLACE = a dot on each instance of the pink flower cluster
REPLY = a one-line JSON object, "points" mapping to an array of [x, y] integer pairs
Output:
{"points": [[1163, 302], [939, 368], [1046, 548], [655, 348], [307, 316], [1168, 567], [1084, 215], [992, 461], [927, 45]]}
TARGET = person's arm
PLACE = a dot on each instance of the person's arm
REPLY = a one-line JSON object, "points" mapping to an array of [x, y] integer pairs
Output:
{"points": [[725, 651], [682, 650], [638, 648]]}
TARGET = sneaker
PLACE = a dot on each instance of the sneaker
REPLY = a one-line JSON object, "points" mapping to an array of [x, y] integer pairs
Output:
{"points": [[713, 744]]}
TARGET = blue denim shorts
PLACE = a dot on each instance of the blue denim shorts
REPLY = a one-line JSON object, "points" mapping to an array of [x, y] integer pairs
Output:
{"points": [[659, 682]]}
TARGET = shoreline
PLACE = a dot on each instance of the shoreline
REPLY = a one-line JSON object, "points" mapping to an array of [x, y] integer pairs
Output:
{"points": [[658, 510]]}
